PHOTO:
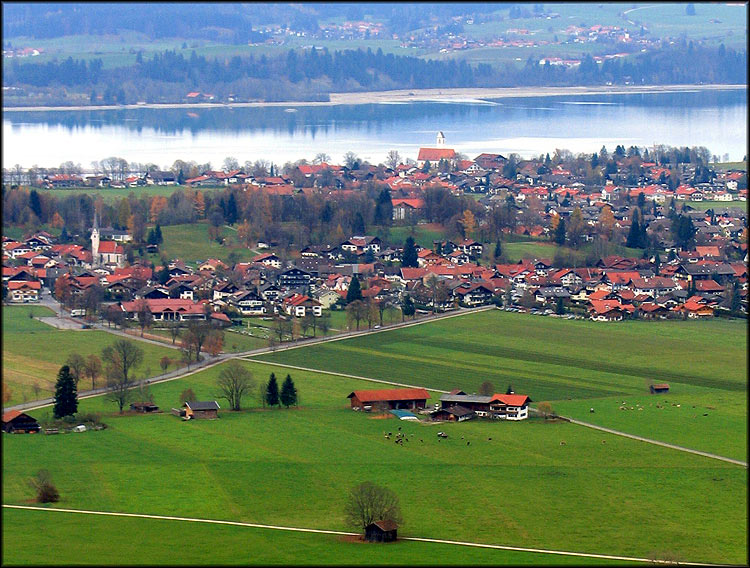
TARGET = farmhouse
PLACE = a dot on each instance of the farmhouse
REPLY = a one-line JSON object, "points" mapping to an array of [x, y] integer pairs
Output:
{"points": [[202, 409], [389, 398], [17, 422], [453, 413], [499, 406], [381, 531]]}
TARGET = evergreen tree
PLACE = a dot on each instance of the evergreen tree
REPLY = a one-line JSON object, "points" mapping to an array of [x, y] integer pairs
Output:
{"points": [[409, 257], [288, 392], [560, 232], [272, 391], [384, 208], [498, 249], [231, 214], [358, 227], [355, 291], [635, 234], [407, 307], [35, 204], [157, 232], [66, 394]]}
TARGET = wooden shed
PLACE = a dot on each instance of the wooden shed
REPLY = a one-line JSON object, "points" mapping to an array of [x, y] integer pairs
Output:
{"points": [[17, 422], [202, 409], [144, 407], [659, 389], [381, 531]]}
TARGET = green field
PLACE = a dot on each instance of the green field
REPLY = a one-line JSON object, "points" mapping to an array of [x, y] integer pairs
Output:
{"points": [[565, 361], [33, 352], [112, 194], [191, 243], [293, 467]]}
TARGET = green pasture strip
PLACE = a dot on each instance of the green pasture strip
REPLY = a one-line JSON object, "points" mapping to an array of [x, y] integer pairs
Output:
{"points": [[191, 243], [718, 206], [111, 194], [33, 353], [110, 540], [700, 411], [260, 465], [584, 358]]}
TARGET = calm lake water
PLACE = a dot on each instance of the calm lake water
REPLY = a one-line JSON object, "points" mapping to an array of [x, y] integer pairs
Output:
{"points": [[528, 126]]}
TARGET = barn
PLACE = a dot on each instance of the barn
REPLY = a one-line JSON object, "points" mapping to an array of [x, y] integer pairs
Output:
{"points": [[17, 422], [381, 531], [659, 389], [389, 399], [202, 409]]}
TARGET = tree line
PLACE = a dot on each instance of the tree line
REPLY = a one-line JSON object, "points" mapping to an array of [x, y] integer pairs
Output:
{"points": [[313, 73]]}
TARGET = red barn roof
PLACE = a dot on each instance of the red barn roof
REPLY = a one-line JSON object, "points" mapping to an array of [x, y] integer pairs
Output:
{"points": [[390, 394]]}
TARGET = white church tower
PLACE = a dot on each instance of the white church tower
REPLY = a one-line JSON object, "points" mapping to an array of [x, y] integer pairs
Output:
{"points": [[95, 241], [440, 138]]}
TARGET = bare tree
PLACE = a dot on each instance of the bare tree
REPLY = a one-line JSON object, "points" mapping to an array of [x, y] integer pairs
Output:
{"points": [[121, 358], [145, 317], [356, 311], [174, 330], [77, 364], [45, 490], [368, 502], [321, 158], [234, 382], [393, 159], [196, 335], [93, 368]]}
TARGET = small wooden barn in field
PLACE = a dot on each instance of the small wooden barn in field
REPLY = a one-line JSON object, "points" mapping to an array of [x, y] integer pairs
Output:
{"points": [[381, 531], [659, 389], [202, 409], [389, 399], [17, 422]]}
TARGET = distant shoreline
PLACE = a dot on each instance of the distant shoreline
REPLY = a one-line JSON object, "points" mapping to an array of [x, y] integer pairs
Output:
{"points": [[411, 95]]}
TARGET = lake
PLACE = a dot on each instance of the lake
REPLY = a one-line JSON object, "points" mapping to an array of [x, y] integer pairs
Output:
{"points": [[528, 126]]}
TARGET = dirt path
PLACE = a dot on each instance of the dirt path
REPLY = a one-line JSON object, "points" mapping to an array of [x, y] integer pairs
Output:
{"points": [[343, 533]]}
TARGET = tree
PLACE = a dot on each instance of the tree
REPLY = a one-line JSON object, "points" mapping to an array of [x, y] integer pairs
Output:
{"points": [[164, 362], [120, 359], [354, 292], [196, 334], [369, 502], [187, 395], [145, 317], [468, 223], [77, 365], [356, 311], [66, 394], [409, 257], [486, 388], [288, 395], [634, 234], [407, 307], [93, 368], [272, 391], [576, 227], [174, 330], [45, 490], [545, 409], [498, 250], [393, 159], [560, 233], [234, 382]]}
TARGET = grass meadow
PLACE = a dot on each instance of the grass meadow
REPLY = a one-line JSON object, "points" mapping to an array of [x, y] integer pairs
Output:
{"points": [[293, 467], [571, 363], [33, 352]]}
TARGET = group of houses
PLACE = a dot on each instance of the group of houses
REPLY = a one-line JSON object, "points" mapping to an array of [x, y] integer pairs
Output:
{"points": [[456, 406]]}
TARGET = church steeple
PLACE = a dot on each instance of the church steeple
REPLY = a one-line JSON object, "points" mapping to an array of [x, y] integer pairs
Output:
{"points": [[95, 240], [440, 138]]}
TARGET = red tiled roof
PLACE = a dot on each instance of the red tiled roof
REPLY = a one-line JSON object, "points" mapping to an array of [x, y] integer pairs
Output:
{"points": [[511, 399], [436, 154], [390, 394]]}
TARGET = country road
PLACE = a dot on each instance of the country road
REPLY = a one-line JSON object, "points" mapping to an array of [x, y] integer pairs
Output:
{"points": [[67, 323]]}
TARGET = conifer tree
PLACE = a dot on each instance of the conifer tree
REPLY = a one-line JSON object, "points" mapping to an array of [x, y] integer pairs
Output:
{"points": [[355, 291], [272, 391], [409, 257], [66, 394], [288, 392]]}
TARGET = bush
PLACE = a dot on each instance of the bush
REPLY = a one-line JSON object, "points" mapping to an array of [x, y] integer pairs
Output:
{"points": [[46, 492]]}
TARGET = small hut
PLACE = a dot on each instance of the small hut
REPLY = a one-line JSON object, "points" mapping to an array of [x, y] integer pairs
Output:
{"points": [[17, 422], [144, 407], [381, 531], [202, 409], [659, 389]]}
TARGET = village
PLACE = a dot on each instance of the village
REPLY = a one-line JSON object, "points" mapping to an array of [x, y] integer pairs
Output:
{"points": [[642, 203]]}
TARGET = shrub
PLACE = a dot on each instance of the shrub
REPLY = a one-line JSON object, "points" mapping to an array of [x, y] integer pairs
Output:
{"points": [[46, 492]]}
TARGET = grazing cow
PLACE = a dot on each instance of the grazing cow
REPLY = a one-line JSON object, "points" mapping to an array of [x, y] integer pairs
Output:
{"points": [[562, 442]]}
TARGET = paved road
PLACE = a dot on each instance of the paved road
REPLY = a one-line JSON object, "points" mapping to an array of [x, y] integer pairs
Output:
{"points": [[656, 442], [324, 531], [211, 361]]}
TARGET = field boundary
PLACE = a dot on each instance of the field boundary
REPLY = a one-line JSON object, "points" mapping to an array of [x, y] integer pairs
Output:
{"points": [[343, 533], [566, 418]]}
